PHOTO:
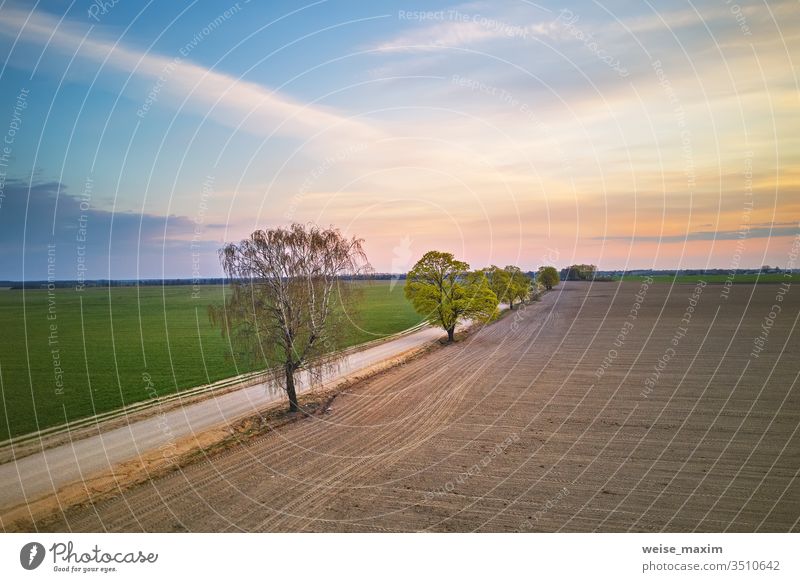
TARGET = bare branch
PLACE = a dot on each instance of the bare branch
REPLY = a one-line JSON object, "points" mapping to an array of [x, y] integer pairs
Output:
{"points": [[290, 293]]}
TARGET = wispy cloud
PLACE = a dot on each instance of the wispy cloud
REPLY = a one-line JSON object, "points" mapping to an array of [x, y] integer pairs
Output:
{"points": [[521, 137], [464, 32], [226, 98], [769, 231], [685, 18]]}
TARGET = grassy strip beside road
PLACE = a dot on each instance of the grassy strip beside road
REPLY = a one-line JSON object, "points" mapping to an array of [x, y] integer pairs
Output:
{"points": [[125, 345]]}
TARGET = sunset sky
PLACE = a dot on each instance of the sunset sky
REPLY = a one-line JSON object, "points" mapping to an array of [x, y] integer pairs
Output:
{"points": [[139, 138]]}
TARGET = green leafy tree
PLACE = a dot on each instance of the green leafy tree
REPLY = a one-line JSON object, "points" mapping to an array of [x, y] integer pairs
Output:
{"points": [[579, 273], [499, 282], [519, 285], [445, 291], [547, 276], [509, 284]]}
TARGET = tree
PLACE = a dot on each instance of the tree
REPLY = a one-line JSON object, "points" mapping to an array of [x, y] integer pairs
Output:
{"points": [[445, 291], [290, 293], [519, 285], [578, 272], [547, 276], [509, 284], [499, 282], [537, 289]]}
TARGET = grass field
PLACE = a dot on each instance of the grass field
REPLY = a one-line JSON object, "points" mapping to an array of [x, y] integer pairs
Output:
{"points": [[107, 339], [738, 279]]}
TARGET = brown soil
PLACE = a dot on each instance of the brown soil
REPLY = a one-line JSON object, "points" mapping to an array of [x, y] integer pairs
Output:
{"points": [[511, 430], [189, 450]]}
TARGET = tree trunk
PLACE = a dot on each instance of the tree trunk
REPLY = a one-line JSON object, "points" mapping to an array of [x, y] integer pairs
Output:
{"points": [[511, 305], [451, 333], [290, 390]]}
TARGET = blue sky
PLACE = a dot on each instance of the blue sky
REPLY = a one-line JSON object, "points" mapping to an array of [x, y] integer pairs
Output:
{"points": [[623, 134]]}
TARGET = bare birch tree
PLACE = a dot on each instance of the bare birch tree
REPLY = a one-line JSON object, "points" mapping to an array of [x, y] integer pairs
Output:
{"points": [[290, 293]]}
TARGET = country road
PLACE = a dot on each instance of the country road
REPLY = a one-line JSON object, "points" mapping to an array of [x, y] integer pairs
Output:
{"points": [[33, 476], [552, 419]]}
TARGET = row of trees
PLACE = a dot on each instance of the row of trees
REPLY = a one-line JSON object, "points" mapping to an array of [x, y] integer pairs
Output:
{"points": [[509, 284], [579, 273], [292, 288], [445, 291]]}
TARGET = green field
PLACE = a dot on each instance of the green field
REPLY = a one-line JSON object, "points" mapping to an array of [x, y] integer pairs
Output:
{"points": [[108, 338], [742, 278]]}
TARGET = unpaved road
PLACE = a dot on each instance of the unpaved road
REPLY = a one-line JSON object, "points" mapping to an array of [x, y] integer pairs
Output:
{"points": [[43, 473], [512, 430]]}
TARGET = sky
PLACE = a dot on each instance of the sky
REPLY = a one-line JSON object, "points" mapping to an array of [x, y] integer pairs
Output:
{"points": [[138, 138]]}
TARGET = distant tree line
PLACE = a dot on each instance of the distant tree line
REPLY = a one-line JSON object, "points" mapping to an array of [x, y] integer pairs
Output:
{"points": [[105, 283], [599, 275], [578, 273]]}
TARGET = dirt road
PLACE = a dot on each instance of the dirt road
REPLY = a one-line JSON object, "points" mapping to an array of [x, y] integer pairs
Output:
{"points": [[36, 475], [524, 427]]}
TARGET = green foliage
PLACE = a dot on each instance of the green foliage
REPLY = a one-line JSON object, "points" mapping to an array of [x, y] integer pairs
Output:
{"points": [[499, 281], [510, 284], [108, 338], [519, 285], [444, 291], [547, 276], [579, 273]]}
